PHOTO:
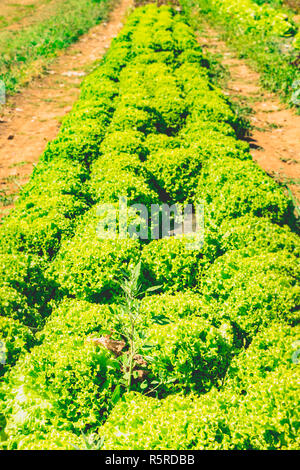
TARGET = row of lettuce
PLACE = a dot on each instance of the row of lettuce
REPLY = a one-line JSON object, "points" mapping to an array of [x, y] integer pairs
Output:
{"points": [[149, 125], [266, 35]]}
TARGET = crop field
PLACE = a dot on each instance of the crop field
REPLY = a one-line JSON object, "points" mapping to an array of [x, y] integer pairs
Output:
{"points": [[123, 325]]}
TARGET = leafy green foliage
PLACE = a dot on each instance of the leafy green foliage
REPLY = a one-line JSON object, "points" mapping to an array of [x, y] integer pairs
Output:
{"points": [[38, 225], [256, 409], [264, 419], [271, 349], [25, 289], [253, 290], [121, 174], [233, 188], [169, 263], [68, 383], [14, 305], [167, 308], [87, 266], [16, 339], [189, 355], [79, 141], [256, 234], [53, 439]]}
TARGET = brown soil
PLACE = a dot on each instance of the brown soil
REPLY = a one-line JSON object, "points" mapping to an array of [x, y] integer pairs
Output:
{"points": [[32, 118], [275, 137]]}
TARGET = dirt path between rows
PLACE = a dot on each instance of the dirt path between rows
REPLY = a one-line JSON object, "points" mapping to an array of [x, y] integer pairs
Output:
{"points": [[32, 118], [275, 137]]}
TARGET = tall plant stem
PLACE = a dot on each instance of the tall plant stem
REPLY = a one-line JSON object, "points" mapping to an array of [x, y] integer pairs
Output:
{"points": [[131, 356]]}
